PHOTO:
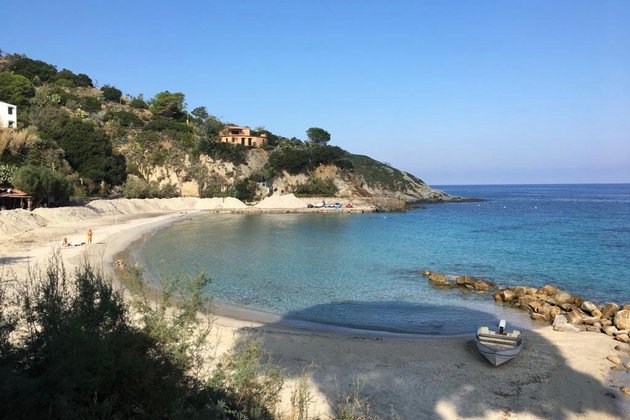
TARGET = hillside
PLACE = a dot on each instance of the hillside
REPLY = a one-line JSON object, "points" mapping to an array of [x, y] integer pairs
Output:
{"points": [[75, 140]]}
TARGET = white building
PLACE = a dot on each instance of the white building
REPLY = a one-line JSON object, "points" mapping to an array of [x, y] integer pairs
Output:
{"points": [[8, 115]]}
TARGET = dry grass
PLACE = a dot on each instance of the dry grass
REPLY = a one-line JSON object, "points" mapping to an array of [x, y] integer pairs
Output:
{"points": [[16, 141]]}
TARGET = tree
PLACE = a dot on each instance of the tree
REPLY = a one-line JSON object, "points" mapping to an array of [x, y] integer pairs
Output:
{"points": [[32, 69], [110, 93], [43, 184], [15, 89], [169, 105], [318, 135], [200, 112]]}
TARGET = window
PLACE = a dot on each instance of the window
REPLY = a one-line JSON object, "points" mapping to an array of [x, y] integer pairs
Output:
{"points": [[10, 124], [10, 110], [243, 141], [249, 141]]}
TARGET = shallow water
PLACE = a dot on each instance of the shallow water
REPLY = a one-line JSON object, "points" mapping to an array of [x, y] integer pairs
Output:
{"points": [[362, 271]]}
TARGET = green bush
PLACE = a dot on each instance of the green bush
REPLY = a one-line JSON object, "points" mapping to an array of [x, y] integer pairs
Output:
{"points": [[317, 187], [6, 174], [303, 158], [139, 188], [236, 154], [138, 103], [110, 93], [15, 89], [168, 105], [245, 190], [90, 104], [125, 119], [34, 70], [69, 79], [43, 184]]}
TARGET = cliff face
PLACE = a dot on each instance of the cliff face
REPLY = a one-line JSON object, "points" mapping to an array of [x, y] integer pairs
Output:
{"points": [[367, 178]]}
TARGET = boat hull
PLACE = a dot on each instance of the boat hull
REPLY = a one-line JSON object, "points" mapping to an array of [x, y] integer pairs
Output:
{"points": [[497, 357]]}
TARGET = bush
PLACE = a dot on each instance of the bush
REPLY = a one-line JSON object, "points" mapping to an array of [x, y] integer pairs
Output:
{"points": [[90, 104], [15, 89], [68, 78], [164, 124], [168, 105], [245, 190], [303, 158], [138, 103], [43, 184], [317, 187], [223, 151], [6, 174], [139, 188], [110, 93], [125, 119], [34, 70]]}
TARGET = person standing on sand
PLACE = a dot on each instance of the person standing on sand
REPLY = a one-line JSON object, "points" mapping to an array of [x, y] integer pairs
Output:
{"points": [[89, 236]]}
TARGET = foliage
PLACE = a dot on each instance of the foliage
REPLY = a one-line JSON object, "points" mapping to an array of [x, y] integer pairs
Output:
{"points": [[245, 189], [354, 406], [90, 104], [138, 188], [125, 119], [236, 154], [15, 89], [318, 135], [200, 112], [168, 105], [34, 70], [138, 103], [317, 187], [73, 80], [298, 159], [164, 124], [6, 174], [46, 153], [111, 94], [87, 149], [376, 174], [43, 184]]}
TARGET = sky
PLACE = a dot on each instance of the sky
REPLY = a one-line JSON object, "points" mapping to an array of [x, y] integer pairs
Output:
{"points": [[455, 92]]}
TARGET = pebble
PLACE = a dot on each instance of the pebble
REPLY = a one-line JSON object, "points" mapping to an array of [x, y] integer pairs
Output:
{"points": [[626, 390], [614, 359]]}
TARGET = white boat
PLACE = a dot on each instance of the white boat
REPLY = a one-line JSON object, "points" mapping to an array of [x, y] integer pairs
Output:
{"points": [[498, 346]]}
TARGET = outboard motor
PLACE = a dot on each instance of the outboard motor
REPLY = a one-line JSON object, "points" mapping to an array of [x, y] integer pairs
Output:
{"points": [[502, 325]]}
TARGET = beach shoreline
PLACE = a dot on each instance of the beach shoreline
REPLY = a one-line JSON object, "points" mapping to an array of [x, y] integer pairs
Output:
{"points": [[558, 375]]}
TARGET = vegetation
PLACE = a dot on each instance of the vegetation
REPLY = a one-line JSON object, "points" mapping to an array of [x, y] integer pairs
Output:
{"points": [[377, 174], [43, 184], [317, 187], [245, 190], [36, 71], [138, 188], [303, 158], [318, 135], [110, 93], [15, 89], [222, 151], [169, 105]]}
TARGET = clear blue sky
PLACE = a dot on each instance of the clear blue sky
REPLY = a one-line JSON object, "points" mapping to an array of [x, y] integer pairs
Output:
{"points": [[456, 92]]}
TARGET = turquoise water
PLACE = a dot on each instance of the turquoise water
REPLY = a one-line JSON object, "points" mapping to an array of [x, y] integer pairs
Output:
{"points": [[363, 270]]}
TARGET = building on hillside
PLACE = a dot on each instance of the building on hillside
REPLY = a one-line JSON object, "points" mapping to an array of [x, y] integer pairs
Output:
{"points": [[8, 115], [244, 136]]}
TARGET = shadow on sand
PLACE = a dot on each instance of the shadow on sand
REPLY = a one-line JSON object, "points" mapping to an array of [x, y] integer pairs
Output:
{"points": [[435, 377]]}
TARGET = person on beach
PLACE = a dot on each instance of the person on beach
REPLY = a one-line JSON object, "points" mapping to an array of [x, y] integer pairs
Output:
{"points": [[65, 242], [89, 236]]}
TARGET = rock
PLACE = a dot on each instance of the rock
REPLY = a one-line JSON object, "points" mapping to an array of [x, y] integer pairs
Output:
{"points": [[625, 390], [483, 285], [120, 264], [566, 306], [614, 359], [575, 317], [617, 368], [624, 338], [563, 297], [623, 348], [560, 323], [626, 307], [590, 320], [507, 295], [610, 331], [606, 322], [439, 280], [425, 273], [593, 328], [627, 365], [547, 290], [609, 310], [589, 307], [622, 319], [534, 305], [519, 291], [530, 290], [497, 297], [622, 332], [461, 280], [539, 317]]}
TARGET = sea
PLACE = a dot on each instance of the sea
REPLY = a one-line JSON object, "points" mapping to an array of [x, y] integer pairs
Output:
{"points": [[363, 271]]}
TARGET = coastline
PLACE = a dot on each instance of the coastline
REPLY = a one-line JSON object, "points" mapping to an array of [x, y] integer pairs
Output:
{"points": [[568, 370]]}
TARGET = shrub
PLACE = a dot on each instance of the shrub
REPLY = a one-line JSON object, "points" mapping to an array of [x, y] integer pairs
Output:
{"points": [[110, 93], [138, 188], [138, 103], [223, 151], [317, 187], [125, 119], [168, 105], [32, 69], [245, 190], [164, 124], [15, 89], [6, 174], [302, 158], [68, 78], [43, 184], [90, 104]]}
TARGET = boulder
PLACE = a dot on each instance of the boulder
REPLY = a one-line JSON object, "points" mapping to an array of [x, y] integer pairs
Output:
{"points": [[589, 307], [425, 273], [566, 306], [539, 317], [590, 320], [624, 338], [605, 322], [439, 280], [530, 290], [593, 328], [622, 319], [614, 359], [622, 332], [609, 310], [547, 290], [519, 291], [575, 317], [563, 297], [626, 307], [610, 331], [535, 305], [483, 285], [497, 297], [623, 348], [507, 295], [560, 323]]}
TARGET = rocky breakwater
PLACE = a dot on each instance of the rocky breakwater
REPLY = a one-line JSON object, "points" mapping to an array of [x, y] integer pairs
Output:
{"points": [[565, 311]]}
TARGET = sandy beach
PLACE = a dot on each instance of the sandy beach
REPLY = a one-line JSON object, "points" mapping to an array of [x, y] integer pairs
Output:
{"points": [[558, 375]]}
